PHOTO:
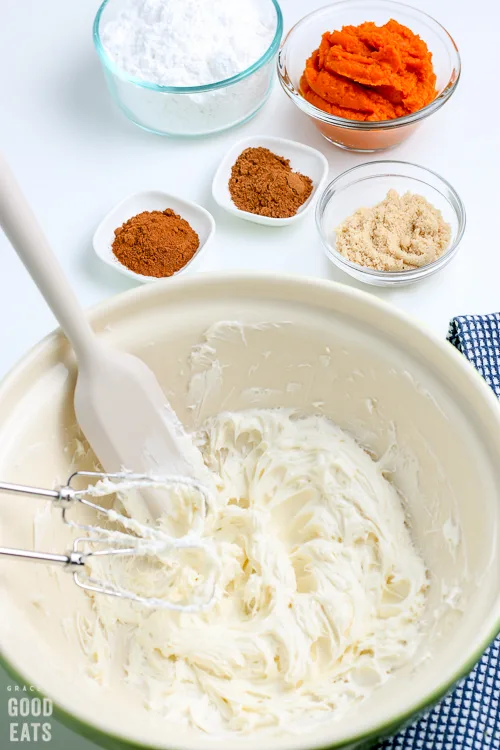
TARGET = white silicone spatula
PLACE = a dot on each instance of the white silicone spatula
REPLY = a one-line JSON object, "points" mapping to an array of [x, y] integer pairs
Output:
{"points": [[119, 404]]}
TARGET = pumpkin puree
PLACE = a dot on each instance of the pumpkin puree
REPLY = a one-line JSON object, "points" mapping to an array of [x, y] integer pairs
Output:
{"points": [[370, 72]]}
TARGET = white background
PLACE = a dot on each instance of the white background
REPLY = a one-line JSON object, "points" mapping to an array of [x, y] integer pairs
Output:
{"points": [[76, 156]]}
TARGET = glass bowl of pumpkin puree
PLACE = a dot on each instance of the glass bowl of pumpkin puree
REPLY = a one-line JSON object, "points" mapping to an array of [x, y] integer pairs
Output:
{"points": [[368, 72]]}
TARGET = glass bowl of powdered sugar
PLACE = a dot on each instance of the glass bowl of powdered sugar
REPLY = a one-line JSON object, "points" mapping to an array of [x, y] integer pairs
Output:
{"points": [[188, 67]]}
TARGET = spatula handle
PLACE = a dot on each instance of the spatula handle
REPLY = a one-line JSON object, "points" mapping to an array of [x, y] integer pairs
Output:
{"points": [[27, 239]]}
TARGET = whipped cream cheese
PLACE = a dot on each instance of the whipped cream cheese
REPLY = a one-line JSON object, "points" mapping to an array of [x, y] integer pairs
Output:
{"points": [[320, 592]]}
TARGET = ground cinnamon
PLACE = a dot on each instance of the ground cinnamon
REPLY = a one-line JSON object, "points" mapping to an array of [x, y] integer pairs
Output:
{"points": [[263, 183], [155, 243]]}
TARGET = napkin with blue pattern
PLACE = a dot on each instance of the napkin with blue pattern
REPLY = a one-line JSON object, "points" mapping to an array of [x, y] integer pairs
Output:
{"points": [[468, 718]]}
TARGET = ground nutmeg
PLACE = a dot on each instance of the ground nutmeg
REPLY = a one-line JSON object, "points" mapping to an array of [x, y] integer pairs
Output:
{"points": [[263, 183], [155, 243]]}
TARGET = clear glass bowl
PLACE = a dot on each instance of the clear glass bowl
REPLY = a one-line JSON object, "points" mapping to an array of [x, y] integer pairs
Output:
{"points": [[368, 184], [354, 135], [192, 110]]}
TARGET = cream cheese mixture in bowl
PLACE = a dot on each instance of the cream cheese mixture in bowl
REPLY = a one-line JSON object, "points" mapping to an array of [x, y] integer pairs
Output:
{"points": [[356, 518]]}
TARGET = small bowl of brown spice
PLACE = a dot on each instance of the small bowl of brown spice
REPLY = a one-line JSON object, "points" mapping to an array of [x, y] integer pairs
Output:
{"points": [[153, 235], [269, 181], [390, 223]]}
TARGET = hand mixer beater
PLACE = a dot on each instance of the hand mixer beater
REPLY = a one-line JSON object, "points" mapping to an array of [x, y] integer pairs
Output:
{"points": [[136, 540]]}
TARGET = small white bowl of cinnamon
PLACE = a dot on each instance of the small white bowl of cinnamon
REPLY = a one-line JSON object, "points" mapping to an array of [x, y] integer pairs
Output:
{"points": [[270, 181], [152, 235]]}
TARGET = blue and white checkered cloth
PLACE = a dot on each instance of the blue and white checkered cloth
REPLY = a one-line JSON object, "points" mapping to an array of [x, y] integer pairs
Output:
{"points": [[478, 337], [468, 718]]}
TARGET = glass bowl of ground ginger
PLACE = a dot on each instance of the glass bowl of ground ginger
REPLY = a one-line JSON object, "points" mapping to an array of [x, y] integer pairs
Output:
{"points": [[367, 72], [390, 223]]}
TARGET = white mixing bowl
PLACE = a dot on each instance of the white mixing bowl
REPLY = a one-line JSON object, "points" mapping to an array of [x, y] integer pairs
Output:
{"points": [[365, 365]]}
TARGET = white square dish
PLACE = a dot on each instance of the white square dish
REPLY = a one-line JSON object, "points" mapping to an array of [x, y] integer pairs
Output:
{"points": [[151, 200], [304, 159]]}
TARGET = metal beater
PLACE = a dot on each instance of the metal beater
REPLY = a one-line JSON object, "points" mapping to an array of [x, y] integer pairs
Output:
{"points": [[137, 539]]}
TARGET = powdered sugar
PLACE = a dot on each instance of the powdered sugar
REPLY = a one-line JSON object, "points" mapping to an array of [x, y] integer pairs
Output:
{"points": [[188, 42]]}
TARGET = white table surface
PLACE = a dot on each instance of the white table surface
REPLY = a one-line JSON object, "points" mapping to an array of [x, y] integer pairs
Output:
{"points": [[76, 156]]}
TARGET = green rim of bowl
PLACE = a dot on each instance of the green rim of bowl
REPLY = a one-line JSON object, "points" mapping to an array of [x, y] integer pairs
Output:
{"points": [[114, 741], [115, 70], [342, 122]]}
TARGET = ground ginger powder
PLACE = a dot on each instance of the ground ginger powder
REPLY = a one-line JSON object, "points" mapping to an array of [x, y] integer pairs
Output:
{"points": [[399, 233]]}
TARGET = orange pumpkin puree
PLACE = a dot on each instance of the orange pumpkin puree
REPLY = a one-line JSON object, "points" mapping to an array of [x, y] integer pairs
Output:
{"points": [[370, 72]]}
